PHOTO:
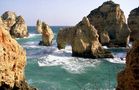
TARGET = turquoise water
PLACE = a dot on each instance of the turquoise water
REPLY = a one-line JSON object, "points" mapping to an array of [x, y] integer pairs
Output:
{"points": [[51, 69]]}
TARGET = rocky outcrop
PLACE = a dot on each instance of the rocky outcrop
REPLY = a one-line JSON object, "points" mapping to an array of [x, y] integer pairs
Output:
{"points": [[109, 18], [83, 39], [47, 35], [128, 79], [19, 29], [133, 23], [12, 63], [14, 24], [9, 19], [39, 26]]}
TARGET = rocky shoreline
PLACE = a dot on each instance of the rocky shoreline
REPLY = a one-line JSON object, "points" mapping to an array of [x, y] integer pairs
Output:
{"points": [[105, 25]]}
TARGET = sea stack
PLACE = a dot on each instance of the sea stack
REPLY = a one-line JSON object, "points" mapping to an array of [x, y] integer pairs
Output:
{"points": [[19, 29], [128, 79], [14, 24], [133, 23], [12, 63], [110, 22], [84, 41], [39, 26], [47, 35]]}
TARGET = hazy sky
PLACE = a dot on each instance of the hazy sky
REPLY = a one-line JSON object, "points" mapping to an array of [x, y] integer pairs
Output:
{"points": [[59, 12]]}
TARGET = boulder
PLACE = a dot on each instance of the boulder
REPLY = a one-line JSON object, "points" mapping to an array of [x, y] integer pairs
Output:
{"points": [[83, 39], [47, 35], [133, 23], [109, 18], [128, 79], [39, 26], [19, 29], [12, 63], [14, 24]]}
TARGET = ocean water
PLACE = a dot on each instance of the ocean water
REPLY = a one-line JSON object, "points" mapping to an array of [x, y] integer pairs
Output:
{"points": [[51, 69]]}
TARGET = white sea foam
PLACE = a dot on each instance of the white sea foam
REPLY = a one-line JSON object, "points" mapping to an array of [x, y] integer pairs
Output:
{"points": [[64, 59], [33, 35], [116, 60]]}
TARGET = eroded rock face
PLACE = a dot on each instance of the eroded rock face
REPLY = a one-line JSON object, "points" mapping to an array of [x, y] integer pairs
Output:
{"points": [[39, 26], [12, 63], [128, 79], [110, 18], [47, 35], [133, 23], [14, 24], [19, 29], [9, 19], [83, 39]]}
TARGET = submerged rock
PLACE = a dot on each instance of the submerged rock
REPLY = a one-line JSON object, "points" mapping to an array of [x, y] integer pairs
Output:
{"points": [[128, 79], [109, 18], [47, 35], [12, 63], [14, 24], [83, 39], [39, 26], [133, 23], [19, 29]]}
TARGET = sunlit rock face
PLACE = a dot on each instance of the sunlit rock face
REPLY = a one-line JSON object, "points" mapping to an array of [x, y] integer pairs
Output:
{"points": [[83, 39], [47, 35], [128, 79], [133, 23], [39, 26], [12, 63], [14, 24], [19, 29], [110, 22]]}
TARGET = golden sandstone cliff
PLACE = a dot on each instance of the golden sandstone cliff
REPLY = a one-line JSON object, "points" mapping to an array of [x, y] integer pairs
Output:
{"points": [[83, 39], [14, 24], [12, 63], [110, 22]]}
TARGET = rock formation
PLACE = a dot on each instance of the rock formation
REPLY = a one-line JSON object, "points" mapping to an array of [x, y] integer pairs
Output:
{"points": [[133, 23], [47, 35], [109, 18], [39, 26], [9, 19], [12, 63], [14, 24], [83, 39], [19, 29], [128, 79]]}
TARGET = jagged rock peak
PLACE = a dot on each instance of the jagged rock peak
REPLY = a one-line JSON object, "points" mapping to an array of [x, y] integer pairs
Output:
{"points": [[47, 34], [109, 18], [83, 39]]}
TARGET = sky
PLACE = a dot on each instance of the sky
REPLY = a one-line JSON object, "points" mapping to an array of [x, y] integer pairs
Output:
{"points": [[59, 12]]}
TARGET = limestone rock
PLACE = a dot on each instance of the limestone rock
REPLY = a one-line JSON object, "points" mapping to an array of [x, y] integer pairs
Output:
{"points": [[47, 35], [12, 63], [9, 19], [14, 24], [110, 18], [83, 39], [128, 79], [39, 26], [19, 29], [133, 23]]}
